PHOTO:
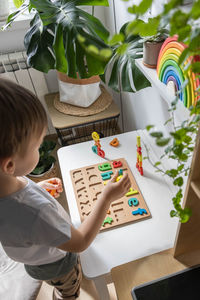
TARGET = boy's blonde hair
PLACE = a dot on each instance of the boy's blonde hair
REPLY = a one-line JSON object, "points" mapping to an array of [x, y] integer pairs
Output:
{"points": [[21, 115]]}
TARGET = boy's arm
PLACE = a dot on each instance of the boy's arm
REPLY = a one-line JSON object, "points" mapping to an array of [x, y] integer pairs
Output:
{"points": [[82, 237]]}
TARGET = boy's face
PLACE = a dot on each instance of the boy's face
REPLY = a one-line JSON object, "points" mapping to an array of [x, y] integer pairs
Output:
{"points": [[27, 159]]}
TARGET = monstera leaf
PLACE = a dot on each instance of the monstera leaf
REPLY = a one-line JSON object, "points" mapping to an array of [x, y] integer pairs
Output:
{"points": [[121, 74], [64, 37]]}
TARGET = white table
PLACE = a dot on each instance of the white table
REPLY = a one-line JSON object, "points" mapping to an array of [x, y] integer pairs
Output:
{"points": [[133, 241]]}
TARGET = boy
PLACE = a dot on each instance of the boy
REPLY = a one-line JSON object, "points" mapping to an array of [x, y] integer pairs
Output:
{"points": [[35, 229]]}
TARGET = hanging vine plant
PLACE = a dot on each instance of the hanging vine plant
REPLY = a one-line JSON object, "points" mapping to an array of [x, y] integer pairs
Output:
{"points": [[180, 143]]}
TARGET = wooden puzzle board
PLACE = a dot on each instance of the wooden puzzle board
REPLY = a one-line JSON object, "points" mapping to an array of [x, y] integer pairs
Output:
{"points": [[88, 185]]}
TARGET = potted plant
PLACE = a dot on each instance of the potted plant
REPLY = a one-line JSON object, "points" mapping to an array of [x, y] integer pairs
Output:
{"points": [[64, 37], [46, 160], [153, 35], [151, 47], [79, 48]]}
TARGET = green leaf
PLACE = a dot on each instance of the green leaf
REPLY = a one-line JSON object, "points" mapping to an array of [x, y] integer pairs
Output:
{"points": [[172, 173], [139, 80], [173, 213], [183, 56], [168, 149], [162, 141], [148, 127], [123, 75], [38, 44], [195, 11], [180, 168], [117, 38], [187, 139], [125, 80], [178, 21], [171, 4], [178, 181], [144, 29], [59, 50], [196, 67], [185, 215], [92, 2], [157, 163], [157, 134], [65, 39], [141, 8], [18, 3], [114, 76]]}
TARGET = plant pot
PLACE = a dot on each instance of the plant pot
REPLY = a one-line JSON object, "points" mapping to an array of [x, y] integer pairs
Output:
{"points": [[48, 174], [78, 92], [150, 53]]}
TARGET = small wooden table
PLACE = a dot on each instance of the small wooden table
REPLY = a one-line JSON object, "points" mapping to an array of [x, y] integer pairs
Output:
{"points": [[63, 122], [142, 270]]}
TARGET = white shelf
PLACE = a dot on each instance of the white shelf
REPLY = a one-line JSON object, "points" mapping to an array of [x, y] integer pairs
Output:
{"points": [[151, 74]]}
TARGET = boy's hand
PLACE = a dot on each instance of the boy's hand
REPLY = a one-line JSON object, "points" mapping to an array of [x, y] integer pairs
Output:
{"points": [[52, 185], [115, 190]]}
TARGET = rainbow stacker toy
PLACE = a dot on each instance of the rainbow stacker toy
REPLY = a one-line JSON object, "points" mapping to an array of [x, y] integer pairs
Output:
{"points": [[97, 146], [139, 156]]}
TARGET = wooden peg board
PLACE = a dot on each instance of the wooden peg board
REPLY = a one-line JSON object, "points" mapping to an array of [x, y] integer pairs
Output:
{"points": [[88, 185]]}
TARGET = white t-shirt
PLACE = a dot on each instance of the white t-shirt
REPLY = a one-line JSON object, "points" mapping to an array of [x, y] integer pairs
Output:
{"points": [[32, 224]]}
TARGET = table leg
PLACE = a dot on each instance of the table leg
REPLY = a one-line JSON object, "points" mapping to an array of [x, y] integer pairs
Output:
{"points": [[101, 287]]}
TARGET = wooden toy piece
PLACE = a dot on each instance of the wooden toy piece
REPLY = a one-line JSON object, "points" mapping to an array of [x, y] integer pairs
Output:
{"points": [[138, 141], [95, 136], [139, 156], [100, 152], [117, 164], [97, 146], [114, 142], [133, 202], [108, 220], [52, 192], [131, 192], [94, 149], [140, 211], [121, 172], [119, 177], [106, 175], [88, 184], [105, 167]]}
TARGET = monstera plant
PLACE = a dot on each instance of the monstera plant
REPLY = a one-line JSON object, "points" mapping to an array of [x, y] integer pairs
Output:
{"points": [[123, 73], [64, 37]]}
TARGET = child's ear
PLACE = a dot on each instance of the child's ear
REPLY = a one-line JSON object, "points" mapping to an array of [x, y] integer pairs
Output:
{"points": [[8, 166]]}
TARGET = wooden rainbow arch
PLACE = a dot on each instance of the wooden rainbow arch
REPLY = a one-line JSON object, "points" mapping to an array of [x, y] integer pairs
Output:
{"points": [[169, 70]]}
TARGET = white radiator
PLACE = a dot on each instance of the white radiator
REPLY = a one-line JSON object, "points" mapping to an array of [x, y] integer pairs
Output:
{"points": [[13, 66]]}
